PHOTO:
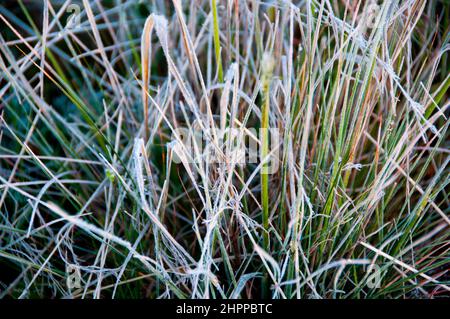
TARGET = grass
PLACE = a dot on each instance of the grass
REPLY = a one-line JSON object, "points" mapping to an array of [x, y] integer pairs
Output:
{"points": [[121, 166]]}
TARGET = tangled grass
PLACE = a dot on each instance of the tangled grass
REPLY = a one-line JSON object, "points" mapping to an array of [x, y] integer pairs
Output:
{"points": [[106, 191]]}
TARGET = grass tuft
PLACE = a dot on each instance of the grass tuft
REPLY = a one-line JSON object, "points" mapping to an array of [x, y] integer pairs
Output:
{"points": [[224, 149]]}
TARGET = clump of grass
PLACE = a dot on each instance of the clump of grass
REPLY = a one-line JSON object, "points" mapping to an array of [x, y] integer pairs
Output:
{"points": [[121, 162]]}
